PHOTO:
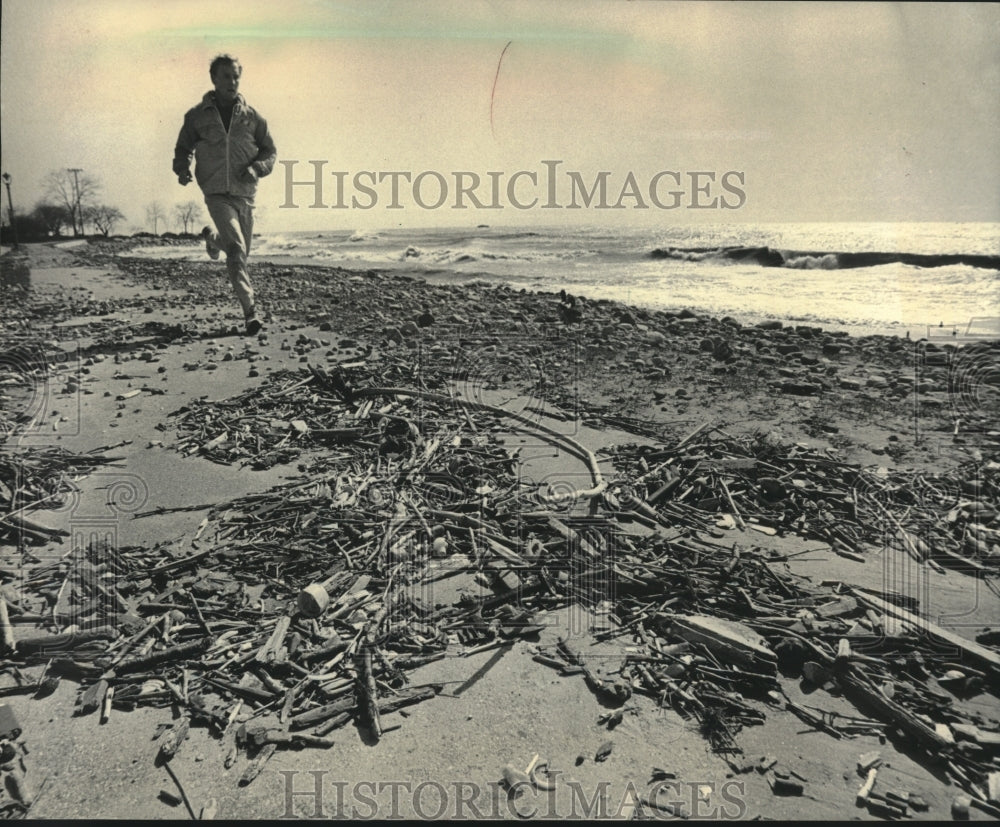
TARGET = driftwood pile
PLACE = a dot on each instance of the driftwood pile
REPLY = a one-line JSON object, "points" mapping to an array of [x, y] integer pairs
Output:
{"points": [[35, 478], [777, 489], [292, 612]]}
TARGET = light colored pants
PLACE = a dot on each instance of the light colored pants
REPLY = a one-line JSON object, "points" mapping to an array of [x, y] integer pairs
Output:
{"points": [[233, 219]]}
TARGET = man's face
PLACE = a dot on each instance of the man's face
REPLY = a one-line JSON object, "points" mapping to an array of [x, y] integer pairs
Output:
{"points": [[227, 82]]}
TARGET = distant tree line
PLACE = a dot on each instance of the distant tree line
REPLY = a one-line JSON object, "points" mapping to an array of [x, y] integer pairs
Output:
{"points": [[70, 205]]}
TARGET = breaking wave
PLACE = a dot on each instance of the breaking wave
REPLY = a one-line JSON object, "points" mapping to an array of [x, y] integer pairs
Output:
{"points": [[805, 260]]}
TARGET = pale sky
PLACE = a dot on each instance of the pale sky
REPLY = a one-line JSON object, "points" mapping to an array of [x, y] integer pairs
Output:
{"points": [[828, 111]]}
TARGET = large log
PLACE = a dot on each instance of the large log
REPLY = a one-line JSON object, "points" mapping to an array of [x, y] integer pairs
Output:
{"points": [[733, 641], [976, 651]]}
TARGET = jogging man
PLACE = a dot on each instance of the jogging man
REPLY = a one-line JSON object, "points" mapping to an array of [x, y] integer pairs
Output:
{"points": [[233, 148]]}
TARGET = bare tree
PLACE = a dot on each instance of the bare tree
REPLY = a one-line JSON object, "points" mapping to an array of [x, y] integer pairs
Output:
{"points": [[53, 216], [74, 190], [187, 214], [154, 215], [104, 218]]}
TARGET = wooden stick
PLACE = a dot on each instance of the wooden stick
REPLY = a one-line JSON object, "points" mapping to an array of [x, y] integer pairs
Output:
{"points": [[257, 766], [692, 435], [6, 629], [369, 691], [866, 788], [180, 789], [732, 505], [109, 696]]}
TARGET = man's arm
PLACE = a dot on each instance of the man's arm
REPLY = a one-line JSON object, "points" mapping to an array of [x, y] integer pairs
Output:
{"points": [[184, 152], [266, 151]]}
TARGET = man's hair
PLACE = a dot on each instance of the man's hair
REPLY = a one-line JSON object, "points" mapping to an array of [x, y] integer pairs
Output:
{"points": [[224, 59]]}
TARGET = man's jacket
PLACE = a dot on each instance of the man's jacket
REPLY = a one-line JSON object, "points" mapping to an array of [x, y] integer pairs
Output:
{"points": [[221, 157]]}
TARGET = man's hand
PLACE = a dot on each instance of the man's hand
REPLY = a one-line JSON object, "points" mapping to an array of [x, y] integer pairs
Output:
{"points": [[184, 178], [250, 174]]}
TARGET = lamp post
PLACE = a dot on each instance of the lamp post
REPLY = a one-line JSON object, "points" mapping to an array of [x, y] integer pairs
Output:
{"points": [[10, 208]]}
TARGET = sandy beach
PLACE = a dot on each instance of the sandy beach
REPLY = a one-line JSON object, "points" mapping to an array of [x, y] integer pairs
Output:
{"points": [[732, 560]]}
